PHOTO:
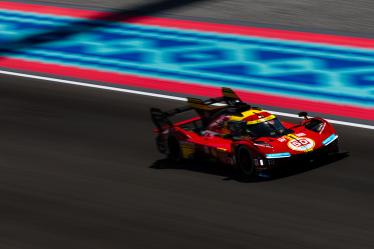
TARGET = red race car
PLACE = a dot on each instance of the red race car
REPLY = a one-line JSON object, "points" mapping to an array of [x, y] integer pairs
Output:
{"points": [[236, 133]]}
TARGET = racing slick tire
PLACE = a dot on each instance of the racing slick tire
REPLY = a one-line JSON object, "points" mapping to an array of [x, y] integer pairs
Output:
{"points": [[174, 150], [244, 163], [334, 147], [160, 143], [333, 151]]}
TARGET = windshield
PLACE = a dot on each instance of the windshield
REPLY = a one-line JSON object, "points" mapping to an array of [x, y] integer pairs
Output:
{"points": [[270, 128]]}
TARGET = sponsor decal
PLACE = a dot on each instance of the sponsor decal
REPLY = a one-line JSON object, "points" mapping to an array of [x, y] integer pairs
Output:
{"points": [[282, 139], [301, 144]]}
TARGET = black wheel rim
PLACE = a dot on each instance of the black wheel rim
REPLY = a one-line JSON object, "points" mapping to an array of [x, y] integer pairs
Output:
{"points": [[174, 151], [245, 163]]}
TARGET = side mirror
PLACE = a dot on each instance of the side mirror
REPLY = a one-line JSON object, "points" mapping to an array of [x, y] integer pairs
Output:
{"points": [[303, 114]]}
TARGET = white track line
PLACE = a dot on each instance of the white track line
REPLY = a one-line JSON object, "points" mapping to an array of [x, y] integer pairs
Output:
{"points": [[70, 82]]}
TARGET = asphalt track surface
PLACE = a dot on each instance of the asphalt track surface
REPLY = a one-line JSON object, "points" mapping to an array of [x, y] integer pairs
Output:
{"points": [[79, 169]]}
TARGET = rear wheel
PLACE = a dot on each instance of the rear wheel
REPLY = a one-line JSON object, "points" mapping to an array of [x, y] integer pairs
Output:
{"points": [[244, 162], [174, 152], [160, 143]]}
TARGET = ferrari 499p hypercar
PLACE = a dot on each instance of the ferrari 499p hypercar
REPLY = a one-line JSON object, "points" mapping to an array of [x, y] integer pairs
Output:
{"points": [[235, 133]]}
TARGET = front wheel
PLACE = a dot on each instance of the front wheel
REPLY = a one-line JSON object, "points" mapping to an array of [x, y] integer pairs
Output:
{"points": [[244, 163], [334, 147]]}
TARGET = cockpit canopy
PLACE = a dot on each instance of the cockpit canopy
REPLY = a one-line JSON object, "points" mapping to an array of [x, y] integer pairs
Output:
{"points": [[268, 128], [256, 123]]}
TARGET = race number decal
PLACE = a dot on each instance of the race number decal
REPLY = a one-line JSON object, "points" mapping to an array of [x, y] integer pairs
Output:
{"points": [[301, 144]]}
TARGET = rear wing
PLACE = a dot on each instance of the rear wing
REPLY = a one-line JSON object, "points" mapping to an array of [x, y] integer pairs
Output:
{"points": [[228, 98], [204, 108], [161, 119]]}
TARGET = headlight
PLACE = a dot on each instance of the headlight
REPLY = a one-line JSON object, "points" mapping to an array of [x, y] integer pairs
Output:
{"points": [[330, 139], [277, 155]]}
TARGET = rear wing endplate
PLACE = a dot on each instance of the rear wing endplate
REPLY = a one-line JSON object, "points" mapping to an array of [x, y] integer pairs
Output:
{"points": [[229, 98]]}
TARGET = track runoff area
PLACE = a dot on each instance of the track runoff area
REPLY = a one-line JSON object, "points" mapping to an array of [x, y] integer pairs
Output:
{"points": [[327, 75]]}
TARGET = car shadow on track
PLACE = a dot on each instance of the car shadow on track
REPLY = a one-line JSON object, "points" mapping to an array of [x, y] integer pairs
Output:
{"points": [[229, 173]]}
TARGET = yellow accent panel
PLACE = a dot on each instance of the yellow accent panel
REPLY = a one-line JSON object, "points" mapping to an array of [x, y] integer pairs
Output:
{"points": [[261, 120], [236, 118], [188, 150], [292, 136], [245, 115], [250, 113]]}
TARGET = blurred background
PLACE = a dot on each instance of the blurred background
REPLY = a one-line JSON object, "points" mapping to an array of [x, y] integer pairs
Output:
{"points": [[326, 16]]}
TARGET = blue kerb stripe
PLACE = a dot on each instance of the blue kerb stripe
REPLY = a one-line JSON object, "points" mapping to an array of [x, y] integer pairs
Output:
{"points": [[99, 65], [279, 44], [294, 69]]}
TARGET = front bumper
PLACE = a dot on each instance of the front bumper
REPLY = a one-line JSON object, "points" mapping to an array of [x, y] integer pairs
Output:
{"points": [[266, 164]]}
